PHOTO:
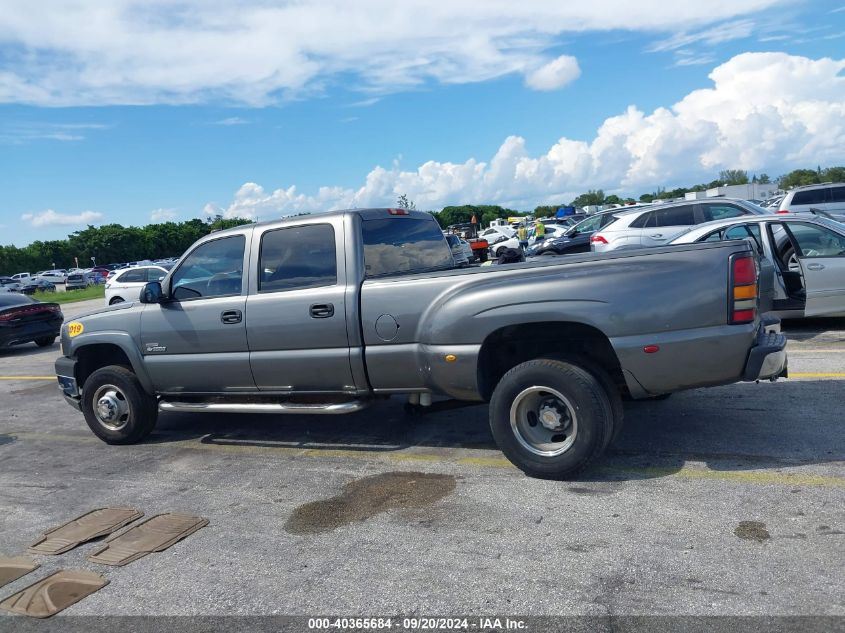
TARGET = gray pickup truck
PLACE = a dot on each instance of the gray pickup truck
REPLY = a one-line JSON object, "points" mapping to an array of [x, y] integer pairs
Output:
{"points": [[331, 313]]}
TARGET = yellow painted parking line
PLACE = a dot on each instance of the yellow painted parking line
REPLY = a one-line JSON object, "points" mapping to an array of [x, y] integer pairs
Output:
{"points": [[793, 350], [753, 477], [832, 374], [27, 377]]}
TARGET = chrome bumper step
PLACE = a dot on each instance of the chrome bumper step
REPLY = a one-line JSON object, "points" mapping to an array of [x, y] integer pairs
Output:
{"points": [[327, 408]]}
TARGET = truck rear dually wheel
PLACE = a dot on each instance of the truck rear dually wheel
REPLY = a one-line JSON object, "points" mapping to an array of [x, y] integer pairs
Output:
{"points": [[116, 407], [551, 418]]}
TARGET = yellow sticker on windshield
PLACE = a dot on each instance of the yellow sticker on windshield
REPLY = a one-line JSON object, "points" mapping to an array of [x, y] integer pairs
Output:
{"points": [[74, 328]]}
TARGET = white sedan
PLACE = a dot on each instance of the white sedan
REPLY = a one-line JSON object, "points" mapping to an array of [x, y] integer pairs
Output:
{"points": [[807, 253], [126, 285]]}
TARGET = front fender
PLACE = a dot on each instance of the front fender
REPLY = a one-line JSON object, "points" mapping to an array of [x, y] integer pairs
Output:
{"points": [[122, 340]]}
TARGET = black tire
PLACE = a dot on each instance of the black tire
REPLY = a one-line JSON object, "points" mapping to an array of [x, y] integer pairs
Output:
{"points": [[45, 341], [588, 401], [141, 408], [115, 300], [614, 397], [500, 251]]}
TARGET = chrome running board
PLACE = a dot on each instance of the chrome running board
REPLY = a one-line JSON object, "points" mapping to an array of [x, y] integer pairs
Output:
{"points": [[331, 408]]}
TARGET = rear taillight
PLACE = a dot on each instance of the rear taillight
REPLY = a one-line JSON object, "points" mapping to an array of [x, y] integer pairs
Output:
{"points": [[743, 289], [598, 239], [782, 211], [18, 313]]}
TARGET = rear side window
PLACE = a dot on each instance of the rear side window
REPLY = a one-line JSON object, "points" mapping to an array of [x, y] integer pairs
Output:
{"points": [[644, 221], [297, 257], [213, 269], [720, 211], [813, 196], [137, 275], [404, 245], [676, 216], [837, 194]]}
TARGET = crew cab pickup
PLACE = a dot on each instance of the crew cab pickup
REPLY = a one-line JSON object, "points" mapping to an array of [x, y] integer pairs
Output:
{"points": [[331, 313]]}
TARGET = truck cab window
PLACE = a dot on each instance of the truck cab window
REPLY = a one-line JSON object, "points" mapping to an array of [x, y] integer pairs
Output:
{"points": [[297, 257], [404, 245], [214, 269]]}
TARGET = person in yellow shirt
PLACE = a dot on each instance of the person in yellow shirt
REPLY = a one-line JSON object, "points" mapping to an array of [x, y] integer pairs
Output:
{"points": [[539, 231], [522, 235]]}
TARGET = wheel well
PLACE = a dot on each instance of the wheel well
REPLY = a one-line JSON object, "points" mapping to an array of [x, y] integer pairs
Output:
{"points": [[509, 346], [90, 358]]}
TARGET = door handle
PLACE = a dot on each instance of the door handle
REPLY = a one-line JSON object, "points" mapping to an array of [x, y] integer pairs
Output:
{"points": [[321, 310], [815, 266], [656, 236], [231, 316]]}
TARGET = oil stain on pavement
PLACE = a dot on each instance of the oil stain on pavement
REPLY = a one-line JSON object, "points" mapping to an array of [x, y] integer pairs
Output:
{"points": [[7, 439], [364, 498], [752, 531]]}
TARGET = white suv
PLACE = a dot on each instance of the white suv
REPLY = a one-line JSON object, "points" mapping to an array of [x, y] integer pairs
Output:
{"points": [[828, 198], [657, 225], [126, 285]]}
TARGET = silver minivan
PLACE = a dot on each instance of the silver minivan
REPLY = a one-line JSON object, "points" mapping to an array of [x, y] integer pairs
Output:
{"points": [[827, 197]]}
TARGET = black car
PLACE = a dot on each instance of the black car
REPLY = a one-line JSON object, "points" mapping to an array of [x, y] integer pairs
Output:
{"points": [[576, 239], [23, 319], [33, 285]]}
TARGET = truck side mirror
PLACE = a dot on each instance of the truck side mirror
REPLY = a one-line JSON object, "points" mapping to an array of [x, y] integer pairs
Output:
{"points": [[152, 293]]}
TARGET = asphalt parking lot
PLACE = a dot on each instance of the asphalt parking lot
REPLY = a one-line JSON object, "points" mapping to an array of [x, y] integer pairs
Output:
{"points": [[725, 501]]}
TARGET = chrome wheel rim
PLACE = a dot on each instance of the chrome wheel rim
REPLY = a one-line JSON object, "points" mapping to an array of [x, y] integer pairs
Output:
{"points": [[111, 407], [543, 421]]}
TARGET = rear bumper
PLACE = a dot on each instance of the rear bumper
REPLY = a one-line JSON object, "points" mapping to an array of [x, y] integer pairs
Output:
{"points": [[767, 359], [18, 334]]}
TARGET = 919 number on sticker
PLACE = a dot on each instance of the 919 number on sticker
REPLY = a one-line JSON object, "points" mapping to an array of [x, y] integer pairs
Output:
{"points": [[74, 329]]}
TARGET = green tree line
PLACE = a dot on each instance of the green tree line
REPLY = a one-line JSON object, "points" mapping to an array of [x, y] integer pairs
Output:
{"points": [[110, 243]]}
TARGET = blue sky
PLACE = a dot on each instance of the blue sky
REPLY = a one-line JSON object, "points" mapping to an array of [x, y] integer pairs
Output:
{"points": [[146, 111]]}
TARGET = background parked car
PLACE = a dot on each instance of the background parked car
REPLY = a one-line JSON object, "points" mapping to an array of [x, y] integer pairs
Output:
{"points": [[22, 277], [33, 285], [126, 285], [658, 225], [54, 276], [806, 253], [826, 197], [77, 281], [552, 231], [458, 252], [575, 239], [7, 284], [497, 234], [23, 319]]}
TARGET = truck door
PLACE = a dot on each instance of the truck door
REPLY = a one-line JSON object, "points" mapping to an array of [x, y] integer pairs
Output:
{"points": [[821, 255], [196, 341], [297, 310]]}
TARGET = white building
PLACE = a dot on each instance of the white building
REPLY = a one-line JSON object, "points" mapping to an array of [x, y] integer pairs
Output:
{"points": [[751, 191]]}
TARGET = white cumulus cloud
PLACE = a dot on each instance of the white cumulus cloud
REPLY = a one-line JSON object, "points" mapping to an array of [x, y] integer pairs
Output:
{"points": [[556, 74], [163, 215], [50, 217], [255, 52], [745, 119]]}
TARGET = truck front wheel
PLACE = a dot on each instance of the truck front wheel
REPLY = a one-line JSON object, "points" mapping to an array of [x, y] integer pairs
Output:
{"points": [[550, 418], [116, 407]]}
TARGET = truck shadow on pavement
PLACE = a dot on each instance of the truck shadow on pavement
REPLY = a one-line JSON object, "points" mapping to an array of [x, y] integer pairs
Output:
{"points": [[734, 428]]}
